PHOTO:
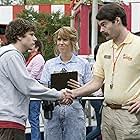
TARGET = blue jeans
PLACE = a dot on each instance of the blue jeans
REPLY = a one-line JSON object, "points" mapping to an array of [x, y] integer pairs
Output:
{"points": [[96, 104], [67, 123], [34, 112]]}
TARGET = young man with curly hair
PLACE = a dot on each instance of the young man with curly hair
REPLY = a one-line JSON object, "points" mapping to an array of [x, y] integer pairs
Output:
{"points": [[16, 85]]}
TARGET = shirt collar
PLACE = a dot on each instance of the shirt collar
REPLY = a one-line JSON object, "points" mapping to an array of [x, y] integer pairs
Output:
{"points": [[72, 60], [127, 40]]}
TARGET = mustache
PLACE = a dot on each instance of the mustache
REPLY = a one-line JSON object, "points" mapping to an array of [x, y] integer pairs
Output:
{"points": [[105, 34]]}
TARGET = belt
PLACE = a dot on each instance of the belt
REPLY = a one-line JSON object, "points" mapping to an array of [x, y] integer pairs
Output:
{"points": [[59, 103], [114, 106]]}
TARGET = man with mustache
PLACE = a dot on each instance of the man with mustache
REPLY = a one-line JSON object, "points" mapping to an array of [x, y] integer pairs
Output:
{"points": [[120, 76]]}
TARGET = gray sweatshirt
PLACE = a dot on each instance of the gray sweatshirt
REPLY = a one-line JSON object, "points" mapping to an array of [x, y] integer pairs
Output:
{"points": [[16, 87]]}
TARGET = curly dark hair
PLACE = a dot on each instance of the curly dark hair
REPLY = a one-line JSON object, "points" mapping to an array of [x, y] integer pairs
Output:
{"points": [[111, 11], [18, 28]]}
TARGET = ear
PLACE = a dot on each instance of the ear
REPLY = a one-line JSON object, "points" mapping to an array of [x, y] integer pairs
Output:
{"points": [[18, 37], [118, 20]]}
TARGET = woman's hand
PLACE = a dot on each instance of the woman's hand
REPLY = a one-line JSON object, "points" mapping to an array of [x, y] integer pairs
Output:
{"points": [[73, 84]]}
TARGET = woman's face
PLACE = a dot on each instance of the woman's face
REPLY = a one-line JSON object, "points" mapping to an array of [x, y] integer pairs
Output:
{"points": [[64, 45]]}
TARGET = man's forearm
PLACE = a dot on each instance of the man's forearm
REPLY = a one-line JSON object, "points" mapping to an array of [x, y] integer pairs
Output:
{"points": [[89, 88]]}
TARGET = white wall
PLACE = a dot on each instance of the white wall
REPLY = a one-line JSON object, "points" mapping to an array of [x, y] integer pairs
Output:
{"points": [[135, 19]]}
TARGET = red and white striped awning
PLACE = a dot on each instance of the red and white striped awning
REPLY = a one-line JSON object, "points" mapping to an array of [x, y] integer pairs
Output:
{"points": [[8, 13]]}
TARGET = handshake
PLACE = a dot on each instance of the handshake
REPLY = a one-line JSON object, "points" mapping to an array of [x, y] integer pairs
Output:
{"points": [[65, 98], [68, 95]]}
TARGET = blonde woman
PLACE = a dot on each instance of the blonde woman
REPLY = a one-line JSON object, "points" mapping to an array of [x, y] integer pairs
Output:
{"points": [[67, 122]]}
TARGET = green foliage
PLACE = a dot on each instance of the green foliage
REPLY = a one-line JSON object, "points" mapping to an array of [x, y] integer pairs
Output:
{"points": [[46, 25], [47, 1], [33, 2]]}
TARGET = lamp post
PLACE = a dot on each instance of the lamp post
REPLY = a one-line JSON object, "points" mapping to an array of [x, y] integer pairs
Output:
{"points": [[94, 32]]}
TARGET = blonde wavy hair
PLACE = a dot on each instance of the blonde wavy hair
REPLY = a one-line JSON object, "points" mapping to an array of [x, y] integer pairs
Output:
{"points": [[66, 33]]}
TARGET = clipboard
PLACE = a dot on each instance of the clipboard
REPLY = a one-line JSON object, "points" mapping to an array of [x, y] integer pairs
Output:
{"points": [[59, 80]]}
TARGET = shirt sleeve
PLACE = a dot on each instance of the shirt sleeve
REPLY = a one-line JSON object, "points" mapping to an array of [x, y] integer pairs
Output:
{"points": [[36, 65], [45, 76], [88, 73], [19, 77], [98, 67]]}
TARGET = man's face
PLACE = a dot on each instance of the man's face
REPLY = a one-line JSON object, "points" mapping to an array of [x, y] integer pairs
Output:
{"points": [[33, 50], [28, 40], [108, 29]]}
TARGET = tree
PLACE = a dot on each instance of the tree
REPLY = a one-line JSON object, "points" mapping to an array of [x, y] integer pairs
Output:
{"points": [[47, 1], [46, 25]]}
